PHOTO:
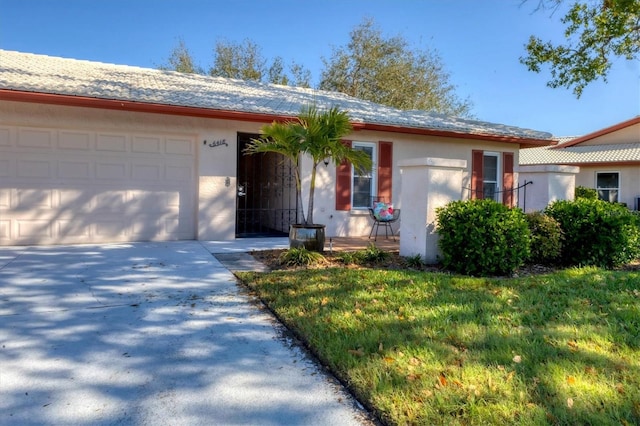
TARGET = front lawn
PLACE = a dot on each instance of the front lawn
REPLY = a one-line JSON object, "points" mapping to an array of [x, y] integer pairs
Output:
{"points": [[431, 348]]}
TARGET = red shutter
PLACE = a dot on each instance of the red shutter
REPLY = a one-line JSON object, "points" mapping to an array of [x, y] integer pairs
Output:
{"points": [[385, 170], [507, 179], [477, 158], [343, 184]]}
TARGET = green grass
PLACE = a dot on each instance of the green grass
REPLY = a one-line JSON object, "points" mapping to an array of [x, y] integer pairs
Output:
{"points": [[429, 348]]}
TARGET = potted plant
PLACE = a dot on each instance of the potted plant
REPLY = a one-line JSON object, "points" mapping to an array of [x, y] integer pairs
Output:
{"points": [[317, 134]]}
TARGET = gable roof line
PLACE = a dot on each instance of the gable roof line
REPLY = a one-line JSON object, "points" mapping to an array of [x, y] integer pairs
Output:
{"points": [[30, 77], [153, 108], [601, 132]]}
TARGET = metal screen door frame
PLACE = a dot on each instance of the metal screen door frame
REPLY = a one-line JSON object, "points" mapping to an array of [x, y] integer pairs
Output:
{"points": [[266, 201]]}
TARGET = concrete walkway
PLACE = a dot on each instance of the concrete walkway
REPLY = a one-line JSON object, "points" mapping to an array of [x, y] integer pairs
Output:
{"points": [[150, 334]]}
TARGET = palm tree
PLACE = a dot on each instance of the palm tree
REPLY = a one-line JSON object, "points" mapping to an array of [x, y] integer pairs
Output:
{"points": [[316, 133]]}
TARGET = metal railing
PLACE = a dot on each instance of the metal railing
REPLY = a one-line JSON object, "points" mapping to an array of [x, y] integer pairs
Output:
{"points": [[498, 196]]}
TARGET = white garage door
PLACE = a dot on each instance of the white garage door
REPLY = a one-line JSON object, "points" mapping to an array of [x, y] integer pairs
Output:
{"points": [[63, 186]]}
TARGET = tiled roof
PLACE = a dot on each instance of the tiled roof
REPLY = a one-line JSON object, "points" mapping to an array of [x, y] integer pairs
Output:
{"points": [[564, 139], [53, 75], [581, 154]]}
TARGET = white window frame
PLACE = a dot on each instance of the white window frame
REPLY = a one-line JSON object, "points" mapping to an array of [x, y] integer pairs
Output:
{"points": [[618, 198], [374, 171], [498, 180]]}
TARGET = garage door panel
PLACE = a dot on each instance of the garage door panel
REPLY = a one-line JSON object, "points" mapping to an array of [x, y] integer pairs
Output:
{"points": [[95, 187], [179, 146], [6, 168], [112, 171], [5, 137], [75, 170], [76, 141], [78, 230], [5, 230], [150, 171], [32, 199], [147, 145], [37, 169], [34, 229], [35, 138], [112, 142]]}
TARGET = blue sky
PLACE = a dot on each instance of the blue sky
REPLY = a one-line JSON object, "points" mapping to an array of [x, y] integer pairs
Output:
{"points": [[479, 42]]}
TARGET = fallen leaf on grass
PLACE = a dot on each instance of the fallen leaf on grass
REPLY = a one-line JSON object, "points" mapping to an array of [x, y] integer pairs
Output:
{"points": [[442, 380], [356, 352], [570, 402], [389, 359], [517, 359], [571, 380], [413, 377], [620, 388]]}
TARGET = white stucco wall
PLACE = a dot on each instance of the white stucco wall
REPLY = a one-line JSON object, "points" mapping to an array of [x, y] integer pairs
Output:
{"points": [[549, 183], [405, 147], [429, 183], [215, 167], [629, 180]]}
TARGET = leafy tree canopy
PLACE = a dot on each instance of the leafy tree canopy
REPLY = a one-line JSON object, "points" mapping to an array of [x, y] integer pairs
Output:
{"points": [[388, 72], [597, 31], [243, 61], [181, 60]]}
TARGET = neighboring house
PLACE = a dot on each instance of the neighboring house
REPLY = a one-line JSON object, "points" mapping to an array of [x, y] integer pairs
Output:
{"points": [[93, 152], [608, 160]]}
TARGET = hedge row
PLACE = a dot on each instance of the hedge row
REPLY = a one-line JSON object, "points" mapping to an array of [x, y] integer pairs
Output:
{"points": [[485, 238]]}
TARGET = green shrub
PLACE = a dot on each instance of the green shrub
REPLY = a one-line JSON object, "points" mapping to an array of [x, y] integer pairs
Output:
{"points": [[596, 232], [374, 254], [351, 257], [546, 238], [414, 261], [482, 237], [584, 192], [300, 256]]}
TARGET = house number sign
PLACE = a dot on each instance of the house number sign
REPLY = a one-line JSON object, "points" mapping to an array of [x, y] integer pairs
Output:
{"points": [[219, 142]]}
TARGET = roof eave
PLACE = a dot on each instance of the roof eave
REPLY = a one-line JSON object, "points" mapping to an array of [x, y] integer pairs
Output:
{"points": [[521, 141], [154, 108], [602, 132]]}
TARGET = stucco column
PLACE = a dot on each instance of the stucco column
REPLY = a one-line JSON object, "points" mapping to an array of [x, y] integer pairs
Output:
{"points": [[550, 183], [427, 183]]}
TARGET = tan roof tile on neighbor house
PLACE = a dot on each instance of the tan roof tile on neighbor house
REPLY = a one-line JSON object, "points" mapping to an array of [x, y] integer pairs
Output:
{"points": [[578, 154], [25, 72]]}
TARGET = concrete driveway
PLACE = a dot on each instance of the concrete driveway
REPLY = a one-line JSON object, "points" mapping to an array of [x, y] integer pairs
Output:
{"points": [[149, 334]]}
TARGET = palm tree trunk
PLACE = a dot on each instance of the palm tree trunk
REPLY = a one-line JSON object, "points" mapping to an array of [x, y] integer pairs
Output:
{"points": [[312, 190], [299, 191]]}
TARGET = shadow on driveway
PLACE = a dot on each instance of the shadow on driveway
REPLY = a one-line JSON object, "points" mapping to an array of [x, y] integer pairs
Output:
{"points": [[147, 333]]}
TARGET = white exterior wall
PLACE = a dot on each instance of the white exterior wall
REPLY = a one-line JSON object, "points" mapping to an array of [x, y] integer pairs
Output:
{"points": [[214, 197], [429, 183], [629, 180], [550, 183], [214, 202], [405, 147]]}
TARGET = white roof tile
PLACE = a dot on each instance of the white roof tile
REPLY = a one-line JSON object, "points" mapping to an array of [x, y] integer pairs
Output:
{"points": [[53, 75], [581, 154]]}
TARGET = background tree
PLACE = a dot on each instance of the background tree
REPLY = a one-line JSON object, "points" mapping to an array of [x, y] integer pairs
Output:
{"points": [[596, 32], [243, 61], [388, 72], [181, 60]]}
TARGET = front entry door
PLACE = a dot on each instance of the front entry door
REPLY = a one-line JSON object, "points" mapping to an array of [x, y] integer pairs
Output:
{"points": [[266, 194]]}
